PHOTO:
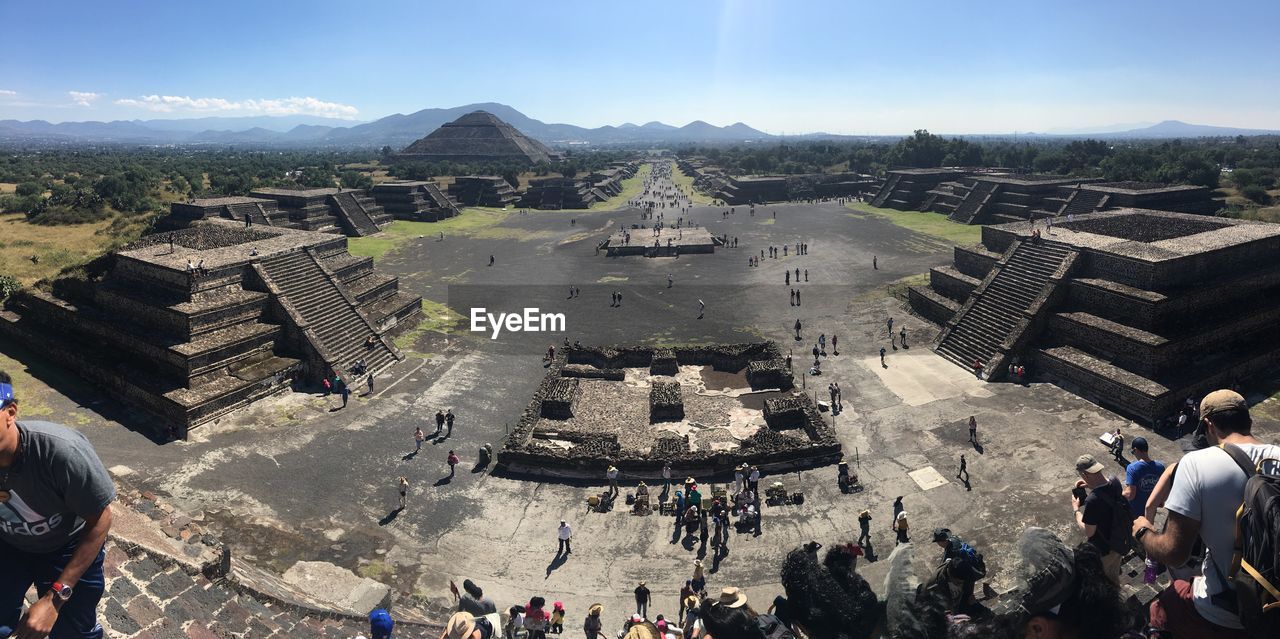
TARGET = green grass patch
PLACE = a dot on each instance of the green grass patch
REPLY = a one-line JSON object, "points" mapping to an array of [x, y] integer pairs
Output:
{"points": [[612, 278], [436, 318], [934, 225], [631, 187], [472, 222], [768, 221]]}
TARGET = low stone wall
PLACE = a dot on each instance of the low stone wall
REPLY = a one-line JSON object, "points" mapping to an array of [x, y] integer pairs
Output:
{"points": [[560, 399], [930, 305], [591, 372], [974, 262], [951, 283], [666, 403]]}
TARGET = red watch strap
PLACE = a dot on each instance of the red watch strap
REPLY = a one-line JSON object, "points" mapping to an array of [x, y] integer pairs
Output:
{"points": [[57, 589]]}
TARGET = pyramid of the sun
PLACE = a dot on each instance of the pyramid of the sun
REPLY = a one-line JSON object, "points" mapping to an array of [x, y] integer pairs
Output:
{"points": [[478, 136]]}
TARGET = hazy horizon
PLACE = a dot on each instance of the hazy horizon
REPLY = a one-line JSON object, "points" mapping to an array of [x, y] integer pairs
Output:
{"points": [[784, 69]]}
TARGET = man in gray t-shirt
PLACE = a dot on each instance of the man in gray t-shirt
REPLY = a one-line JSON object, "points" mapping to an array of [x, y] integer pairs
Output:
{"points": [[55, 499]]}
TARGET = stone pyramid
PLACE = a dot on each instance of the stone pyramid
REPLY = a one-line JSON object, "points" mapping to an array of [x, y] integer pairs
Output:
{"points": [[478, 136]]}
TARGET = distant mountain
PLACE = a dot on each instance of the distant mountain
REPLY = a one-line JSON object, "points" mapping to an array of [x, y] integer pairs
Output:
{"points": [[1177, 129], [1110, 128], [397, 131]]}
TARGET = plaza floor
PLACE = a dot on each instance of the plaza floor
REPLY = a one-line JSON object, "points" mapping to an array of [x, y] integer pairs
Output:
{"points": [[289, 479]]}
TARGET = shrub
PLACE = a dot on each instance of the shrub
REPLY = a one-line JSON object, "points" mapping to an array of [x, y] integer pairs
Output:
{"points": [[1255, 193]]}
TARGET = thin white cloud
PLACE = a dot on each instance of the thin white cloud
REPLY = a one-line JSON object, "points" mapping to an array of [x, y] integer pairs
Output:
{"points": [[5, 93], [267, 106], [83, 98]]}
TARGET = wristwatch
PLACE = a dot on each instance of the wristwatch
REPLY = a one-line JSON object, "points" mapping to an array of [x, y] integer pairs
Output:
{"points": [[61, 591], [1141, 531]]}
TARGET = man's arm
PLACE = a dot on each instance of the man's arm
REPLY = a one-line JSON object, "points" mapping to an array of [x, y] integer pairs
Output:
{"points": [[43, 613], [91, 540], [1173, 546], [1161, 491]]}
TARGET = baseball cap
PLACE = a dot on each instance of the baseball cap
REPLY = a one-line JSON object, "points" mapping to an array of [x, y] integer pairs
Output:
{"points": [[1139, 443], [941, 534], [1221, 400], [1087, 464]]}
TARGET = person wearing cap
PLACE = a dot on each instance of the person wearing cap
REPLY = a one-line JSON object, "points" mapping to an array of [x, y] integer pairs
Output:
{"points": [[686, 592], [565, 535], [1206, 490], [1140, 476], [642, 600], [864, 524], [464, 625], [1103, 514], [963, 566], [55, 513]]}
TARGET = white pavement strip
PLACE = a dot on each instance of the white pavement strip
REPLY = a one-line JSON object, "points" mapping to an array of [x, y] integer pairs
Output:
{"points": [[922, 377], [928, 478], [402, 378]]}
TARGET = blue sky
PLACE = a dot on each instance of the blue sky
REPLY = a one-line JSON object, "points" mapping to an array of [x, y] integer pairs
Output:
{"points": [[784, 67]]}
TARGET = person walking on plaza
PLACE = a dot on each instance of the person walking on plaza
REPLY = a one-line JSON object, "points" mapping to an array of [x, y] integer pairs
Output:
{"points": [[901, 527], [666, 475], [753, 480], [973, 430], [452, 460], [864, 528], [882, 351], [439, 423], [448, 421], [402, 484], [897, 508], [890, 327], [565, 534], [55, 496], [418, 438], [964, 470], [642, 601], [593, 626], [612, 475], [902, 334]]}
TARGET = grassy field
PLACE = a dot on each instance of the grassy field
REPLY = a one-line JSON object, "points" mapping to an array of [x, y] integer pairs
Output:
{"points": [[57, 247], [630, 188], [931, 224], [473, 222], [7, 187], [686, 182]]}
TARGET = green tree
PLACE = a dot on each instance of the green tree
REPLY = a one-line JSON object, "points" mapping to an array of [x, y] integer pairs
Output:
{"points": [[356, 180], [1256, 194]]}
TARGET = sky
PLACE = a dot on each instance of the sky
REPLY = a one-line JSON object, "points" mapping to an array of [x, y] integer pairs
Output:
{"points": [[784, 67]]}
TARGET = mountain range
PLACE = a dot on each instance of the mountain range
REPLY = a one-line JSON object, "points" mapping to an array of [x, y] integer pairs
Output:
{"points": [[399, 130]]}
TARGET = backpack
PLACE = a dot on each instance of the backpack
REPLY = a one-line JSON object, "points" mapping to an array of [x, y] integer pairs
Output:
{"points": [[1121, 521], [1254, 575]]}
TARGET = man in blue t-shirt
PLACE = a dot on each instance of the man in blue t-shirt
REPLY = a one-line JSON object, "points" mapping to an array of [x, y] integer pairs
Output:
{"points": [[1140, 476]]}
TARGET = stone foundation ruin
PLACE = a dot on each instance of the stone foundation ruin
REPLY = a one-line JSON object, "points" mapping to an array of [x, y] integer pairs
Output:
{"points": [[703, 409], [223, 316], [1133, 309], [348, 211]]}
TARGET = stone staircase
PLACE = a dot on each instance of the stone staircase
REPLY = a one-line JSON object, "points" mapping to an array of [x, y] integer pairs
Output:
{"points": [[1085, 202], [328, 310], [973, 203], [255, 213], [353, 215], [886, 191], [441, 199], [1001, 309]]}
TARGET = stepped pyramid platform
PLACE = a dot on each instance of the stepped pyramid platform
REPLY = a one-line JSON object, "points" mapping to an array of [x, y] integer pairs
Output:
{"points": [[482, 190], [418, 201], [478, 136], [1133, 309], [194, 323], [333, 210]]}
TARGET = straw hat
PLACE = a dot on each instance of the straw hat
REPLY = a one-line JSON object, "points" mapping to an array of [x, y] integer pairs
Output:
{"points": [[595, 609], [460, 626], [732, 597]]}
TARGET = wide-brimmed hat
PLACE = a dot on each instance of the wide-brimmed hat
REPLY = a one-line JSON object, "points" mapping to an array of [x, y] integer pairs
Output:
{"points": [[460, 626], [732, 597], [691, 602], [595, 609], [1087, 464]]}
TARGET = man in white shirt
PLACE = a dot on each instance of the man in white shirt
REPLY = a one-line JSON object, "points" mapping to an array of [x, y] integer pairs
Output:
{"points": [[565, 534], [1208, 487]]}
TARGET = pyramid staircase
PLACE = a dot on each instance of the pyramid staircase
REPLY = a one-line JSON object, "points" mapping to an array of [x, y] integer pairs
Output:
{"points": [[1002, 314], [330, 316], [355, 219], [1083, 201], [886, 190], [441, 199], [973, 203]]}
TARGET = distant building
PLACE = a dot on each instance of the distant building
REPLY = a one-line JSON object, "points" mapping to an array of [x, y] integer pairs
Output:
{"points": [[478, 136]]}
